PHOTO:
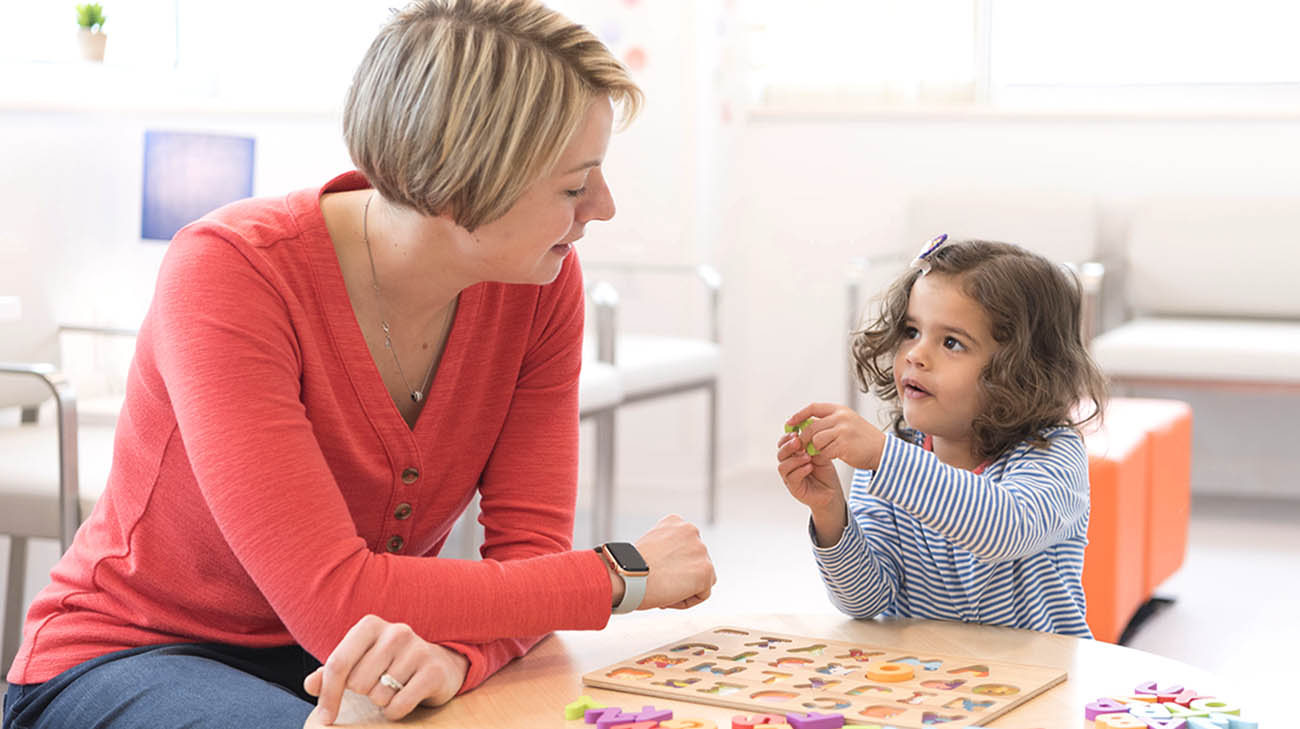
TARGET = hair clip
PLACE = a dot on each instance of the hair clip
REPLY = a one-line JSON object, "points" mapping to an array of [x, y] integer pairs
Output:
{"points": [[923, 258]]}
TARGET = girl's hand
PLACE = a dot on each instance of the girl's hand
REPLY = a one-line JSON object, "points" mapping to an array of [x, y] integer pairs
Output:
{"points": [[430, 674], [839, 432], [811, 480]]}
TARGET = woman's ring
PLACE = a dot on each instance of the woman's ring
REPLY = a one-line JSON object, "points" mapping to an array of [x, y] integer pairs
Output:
{"points": [[392, 683]]}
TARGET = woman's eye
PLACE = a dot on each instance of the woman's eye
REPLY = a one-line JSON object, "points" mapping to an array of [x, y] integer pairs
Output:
{"points": [[576, 193], [953, 344]]}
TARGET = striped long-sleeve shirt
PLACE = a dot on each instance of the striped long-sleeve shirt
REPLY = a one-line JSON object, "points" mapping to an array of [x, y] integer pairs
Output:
{"points": [[1003, 547]]}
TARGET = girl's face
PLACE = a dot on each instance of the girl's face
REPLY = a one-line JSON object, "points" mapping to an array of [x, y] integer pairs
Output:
{"points": [[529, 243], [948, 340]]}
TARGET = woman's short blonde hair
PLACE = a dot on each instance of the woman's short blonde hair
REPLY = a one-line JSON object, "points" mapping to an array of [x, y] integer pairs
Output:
{"points": [[459, 105]]}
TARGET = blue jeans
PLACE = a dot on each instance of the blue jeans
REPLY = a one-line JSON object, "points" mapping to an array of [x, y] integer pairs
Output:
{"points": [[191, 685]]}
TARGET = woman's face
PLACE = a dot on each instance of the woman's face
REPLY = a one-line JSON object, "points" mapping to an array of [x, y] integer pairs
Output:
{"points": [[530, 242]]}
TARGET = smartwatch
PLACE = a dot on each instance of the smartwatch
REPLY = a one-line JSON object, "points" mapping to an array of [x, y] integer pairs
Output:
{"points": [[628, 563]]}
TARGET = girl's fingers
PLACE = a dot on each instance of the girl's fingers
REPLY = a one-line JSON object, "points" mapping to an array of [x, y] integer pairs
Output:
{"points": [[813, 410], [787, 467], [800, 473]]}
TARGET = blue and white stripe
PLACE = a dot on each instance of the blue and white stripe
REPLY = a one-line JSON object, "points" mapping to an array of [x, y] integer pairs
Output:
{"points": [[1004, 547]]}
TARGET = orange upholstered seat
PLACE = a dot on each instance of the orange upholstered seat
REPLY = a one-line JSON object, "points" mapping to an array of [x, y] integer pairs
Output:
{"points": [[1140, 471]]}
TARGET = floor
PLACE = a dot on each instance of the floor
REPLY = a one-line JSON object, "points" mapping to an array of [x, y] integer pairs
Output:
{"points": [[1236, 608]]}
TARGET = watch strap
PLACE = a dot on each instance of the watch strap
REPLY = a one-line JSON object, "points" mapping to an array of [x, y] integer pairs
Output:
{"points": [[633, 594], [634, 586]]}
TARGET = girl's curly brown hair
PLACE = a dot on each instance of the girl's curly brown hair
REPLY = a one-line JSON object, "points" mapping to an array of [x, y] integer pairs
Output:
{"points": [[1041, 376]]}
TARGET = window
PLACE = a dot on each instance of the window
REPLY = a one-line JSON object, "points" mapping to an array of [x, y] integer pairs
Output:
{"points": [[1008, 53]]}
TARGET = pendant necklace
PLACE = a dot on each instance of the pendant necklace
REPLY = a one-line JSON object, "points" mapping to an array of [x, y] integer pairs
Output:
{"points": [[417, 393]]}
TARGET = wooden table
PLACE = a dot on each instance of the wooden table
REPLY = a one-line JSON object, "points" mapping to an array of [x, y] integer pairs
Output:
{"points": [[531, 692]]}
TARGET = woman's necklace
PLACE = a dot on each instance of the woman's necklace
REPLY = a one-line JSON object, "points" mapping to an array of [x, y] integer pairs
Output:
{"points": [[417, 394]]}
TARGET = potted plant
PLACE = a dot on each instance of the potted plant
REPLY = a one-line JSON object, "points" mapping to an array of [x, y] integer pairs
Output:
{"points": [[90, 36]]}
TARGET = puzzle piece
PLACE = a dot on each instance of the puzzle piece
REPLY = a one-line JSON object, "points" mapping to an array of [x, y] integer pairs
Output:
{"points": [[608, 717], [929, 664], [1166, 723], [1178, 711], [650, 713], [741, 721], [660, 660], [815, 721], [814, 649], [1103, 706], [1119, 721], [768, 643], [1214, 706], [890, 672], [677, 683], [857, 654], [810, 449], [827, 703], [1163, 693], [578, 709]]}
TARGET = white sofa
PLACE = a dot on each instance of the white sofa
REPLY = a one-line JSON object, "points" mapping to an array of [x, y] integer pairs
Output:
{"points": [[1210, 288]]}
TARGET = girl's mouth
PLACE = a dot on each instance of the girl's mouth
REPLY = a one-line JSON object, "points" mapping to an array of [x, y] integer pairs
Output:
{"points": [[913, 390]]}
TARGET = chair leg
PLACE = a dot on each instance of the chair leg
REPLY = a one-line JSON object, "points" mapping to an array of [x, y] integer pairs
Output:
{"points": [[712, 510], [14, 613], [602, 506]]}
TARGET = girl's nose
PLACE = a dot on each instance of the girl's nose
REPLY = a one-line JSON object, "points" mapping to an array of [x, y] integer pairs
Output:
{"points": [[917, 355]]}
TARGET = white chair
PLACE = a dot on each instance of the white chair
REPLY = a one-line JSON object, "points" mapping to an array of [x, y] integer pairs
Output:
{"points": [[52, 469], [652, 366]]}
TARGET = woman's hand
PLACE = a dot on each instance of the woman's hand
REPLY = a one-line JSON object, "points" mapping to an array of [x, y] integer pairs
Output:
{"points": [[428, 673], [681, 572]]}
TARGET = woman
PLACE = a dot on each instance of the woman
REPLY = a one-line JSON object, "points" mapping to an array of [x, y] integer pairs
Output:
{"points": [[322, 383]]}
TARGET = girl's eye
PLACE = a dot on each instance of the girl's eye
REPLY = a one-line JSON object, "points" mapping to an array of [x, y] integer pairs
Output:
{"points": [[576, 193], [911, 333], [953, 344]]}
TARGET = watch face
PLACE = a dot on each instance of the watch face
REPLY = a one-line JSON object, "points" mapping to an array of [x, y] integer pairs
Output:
{"points": [[626, 556]]}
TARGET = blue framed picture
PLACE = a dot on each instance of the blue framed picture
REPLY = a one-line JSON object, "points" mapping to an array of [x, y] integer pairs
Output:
{"points": [[189, 174]]}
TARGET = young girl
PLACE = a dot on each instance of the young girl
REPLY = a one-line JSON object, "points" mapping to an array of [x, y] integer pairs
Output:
{"points": [[975, 507]]}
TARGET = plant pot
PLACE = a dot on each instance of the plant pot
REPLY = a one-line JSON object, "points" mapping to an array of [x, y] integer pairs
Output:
{"points": [[92, 44]]}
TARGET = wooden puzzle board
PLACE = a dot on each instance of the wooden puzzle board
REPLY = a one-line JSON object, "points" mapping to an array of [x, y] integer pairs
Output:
{"points": [[762, 672]]}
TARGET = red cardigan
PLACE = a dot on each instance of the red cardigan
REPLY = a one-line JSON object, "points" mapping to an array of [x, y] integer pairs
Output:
{"points": [[262, 475]]}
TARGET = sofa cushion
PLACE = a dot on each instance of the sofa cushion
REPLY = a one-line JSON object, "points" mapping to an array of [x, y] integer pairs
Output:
{"points": [[1214, 256], [1202, 350]]}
